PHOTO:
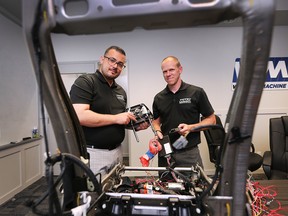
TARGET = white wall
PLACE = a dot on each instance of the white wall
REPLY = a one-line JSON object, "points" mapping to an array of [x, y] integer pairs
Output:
{"points": [[207, 55], [21, 163], [18, 87]]}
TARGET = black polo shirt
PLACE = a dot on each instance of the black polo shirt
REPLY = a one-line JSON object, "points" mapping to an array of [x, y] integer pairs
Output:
{"points": [[94, 90], [185, 106]]}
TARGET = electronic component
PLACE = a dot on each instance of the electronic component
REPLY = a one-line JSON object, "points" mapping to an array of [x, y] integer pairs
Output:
{"points": [[142, 115], [166, 147]]}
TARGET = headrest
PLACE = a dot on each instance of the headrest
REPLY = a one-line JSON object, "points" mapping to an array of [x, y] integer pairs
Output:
{"points": [[285, 124]]}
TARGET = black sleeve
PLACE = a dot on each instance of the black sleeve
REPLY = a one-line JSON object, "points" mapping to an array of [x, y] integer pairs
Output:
{"points": [[82, 90], [205, 106]]}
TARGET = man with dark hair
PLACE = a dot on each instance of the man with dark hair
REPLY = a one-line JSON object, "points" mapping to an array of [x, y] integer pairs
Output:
{"points": [[100, 105]]}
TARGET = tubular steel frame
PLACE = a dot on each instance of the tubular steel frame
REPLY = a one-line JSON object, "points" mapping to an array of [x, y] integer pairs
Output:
{"points": [[41, 18]]}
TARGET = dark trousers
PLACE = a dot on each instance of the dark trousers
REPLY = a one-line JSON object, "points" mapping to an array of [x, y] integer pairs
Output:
{"points": [[183, 158]]}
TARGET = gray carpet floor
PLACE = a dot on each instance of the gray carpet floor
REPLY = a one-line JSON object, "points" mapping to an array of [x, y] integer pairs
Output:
{"points": [[19, 204]]}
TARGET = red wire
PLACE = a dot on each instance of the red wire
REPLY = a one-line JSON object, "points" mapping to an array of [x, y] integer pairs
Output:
{"points": [[262, 197]]}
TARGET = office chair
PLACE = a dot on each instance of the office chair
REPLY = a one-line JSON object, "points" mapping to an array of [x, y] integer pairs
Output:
{"points": [[255, 160], [215, 138], [275, 161]]}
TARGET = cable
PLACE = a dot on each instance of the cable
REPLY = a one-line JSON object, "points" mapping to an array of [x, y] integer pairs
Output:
{"points": [[261, 199], [36, 41], [228, 209], [218, 169], [52, 193]]}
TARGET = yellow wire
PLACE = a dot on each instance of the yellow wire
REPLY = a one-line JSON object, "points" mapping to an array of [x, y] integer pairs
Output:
{"points": [[228, 209]]}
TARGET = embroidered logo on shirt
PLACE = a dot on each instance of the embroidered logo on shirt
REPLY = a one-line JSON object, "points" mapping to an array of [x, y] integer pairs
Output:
{"points": [[184, 100], [120, 97]]}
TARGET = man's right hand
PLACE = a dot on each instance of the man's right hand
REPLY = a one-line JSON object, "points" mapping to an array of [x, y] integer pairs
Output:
{"points": [[125, 118]]}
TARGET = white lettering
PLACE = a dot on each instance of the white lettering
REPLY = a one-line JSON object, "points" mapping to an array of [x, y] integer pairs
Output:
{"points": [[278, 86], [184, 100], [237, 68], [120, 97], [281, 67], [274, 71]]}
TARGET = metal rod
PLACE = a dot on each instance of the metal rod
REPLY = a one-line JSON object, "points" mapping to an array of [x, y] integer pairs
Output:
{"points": [[130, 168]]}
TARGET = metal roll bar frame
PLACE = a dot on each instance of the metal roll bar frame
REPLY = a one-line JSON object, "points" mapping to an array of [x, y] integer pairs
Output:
{"points": [[41, 18]]}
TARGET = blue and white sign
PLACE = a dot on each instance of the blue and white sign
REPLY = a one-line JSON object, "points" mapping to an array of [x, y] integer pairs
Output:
{"points": [[277, 76]]}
